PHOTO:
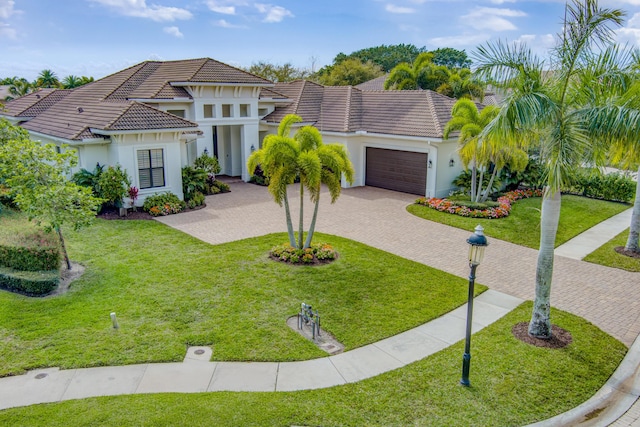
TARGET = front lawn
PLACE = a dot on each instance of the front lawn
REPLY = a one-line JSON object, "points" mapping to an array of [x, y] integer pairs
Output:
{"points": [[522, 226], [606, 254], [170, 290], [512, 384]]}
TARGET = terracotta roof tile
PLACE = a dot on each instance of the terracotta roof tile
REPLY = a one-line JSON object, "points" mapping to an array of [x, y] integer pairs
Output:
{"points": [[140, 116], [18, 106]]}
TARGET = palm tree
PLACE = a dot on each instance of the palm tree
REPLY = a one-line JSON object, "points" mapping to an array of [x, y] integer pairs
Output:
{"points": [[17, 87], [551, 109], [278, 159], [422, 74], [70, 81], [334, 163], [285, 159], [47, 79]]}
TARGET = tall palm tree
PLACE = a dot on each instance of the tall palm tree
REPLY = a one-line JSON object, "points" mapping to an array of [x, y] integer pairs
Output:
{"points": [[305, 157], [422, 74], [70, 81], [472, 149], [278, 158], [334, 163], [47, 79], [550, 108], [18, 86]]}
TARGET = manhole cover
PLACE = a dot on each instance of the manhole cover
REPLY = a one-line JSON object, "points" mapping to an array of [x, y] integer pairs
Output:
{"points": [[199, 352], [41, 376]]}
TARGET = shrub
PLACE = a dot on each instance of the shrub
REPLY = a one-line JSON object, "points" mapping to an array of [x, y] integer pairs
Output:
{"points": [[37, 283], [196, 200], [316, 253], [615, 187], [163, 204], [223, 187], [89, 179], [464, 181], [258, 177], [30, 258], [193, 180], [207, 163], [113, 185]]}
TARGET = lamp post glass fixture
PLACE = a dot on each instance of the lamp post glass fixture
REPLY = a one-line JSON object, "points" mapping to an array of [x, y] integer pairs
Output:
{"points": [[477, 242]]}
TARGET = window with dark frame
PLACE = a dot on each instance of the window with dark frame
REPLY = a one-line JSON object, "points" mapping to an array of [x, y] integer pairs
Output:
{"points": [[151, 168]]}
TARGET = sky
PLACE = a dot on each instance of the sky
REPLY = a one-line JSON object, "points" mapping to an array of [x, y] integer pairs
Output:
{"points": [[99, 37]]}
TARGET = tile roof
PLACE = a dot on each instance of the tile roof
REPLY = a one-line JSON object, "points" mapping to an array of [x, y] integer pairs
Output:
{"points": [[108, 104], [420, 113], [375, 84]]}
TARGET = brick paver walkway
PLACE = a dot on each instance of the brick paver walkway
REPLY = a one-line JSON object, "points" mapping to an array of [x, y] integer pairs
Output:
{"points": [[608, 297]]}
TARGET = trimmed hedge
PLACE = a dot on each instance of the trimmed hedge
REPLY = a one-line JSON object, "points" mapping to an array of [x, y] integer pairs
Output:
{"points": [[29, 259], [615, 186], [35, 283]]}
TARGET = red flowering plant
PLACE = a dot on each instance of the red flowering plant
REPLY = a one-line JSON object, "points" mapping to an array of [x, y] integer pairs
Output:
{"points": [[133, 195], [501, 211]]}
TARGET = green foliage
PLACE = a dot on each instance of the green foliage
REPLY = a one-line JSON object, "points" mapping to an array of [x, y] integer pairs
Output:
{"points": [[89, 179], [193, 180], [591, 183], [222, 187], [34, 283], [163, 204], [29, 258], [258, 177], [350, 72], [276, 72], [207, 163], [463, 181], [451, 58], [385, 56], [197, 200], [113, 185], [531, 177]]}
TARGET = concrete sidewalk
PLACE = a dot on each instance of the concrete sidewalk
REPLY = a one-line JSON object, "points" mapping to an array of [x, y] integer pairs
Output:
{"points": [[587, 242], [197, 374]]}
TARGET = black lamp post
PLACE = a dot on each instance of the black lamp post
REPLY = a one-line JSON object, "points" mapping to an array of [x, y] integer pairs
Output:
{"points": [[477, 242]]}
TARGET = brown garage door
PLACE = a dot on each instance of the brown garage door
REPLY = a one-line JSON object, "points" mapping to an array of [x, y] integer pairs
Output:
{"points": [[404, 171]]}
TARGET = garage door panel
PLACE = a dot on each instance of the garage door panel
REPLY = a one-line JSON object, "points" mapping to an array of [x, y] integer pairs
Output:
{"points": [[397, 170]]}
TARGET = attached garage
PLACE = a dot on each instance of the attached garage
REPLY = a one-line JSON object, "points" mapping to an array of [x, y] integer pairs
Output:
{"points": [[404, 171]]}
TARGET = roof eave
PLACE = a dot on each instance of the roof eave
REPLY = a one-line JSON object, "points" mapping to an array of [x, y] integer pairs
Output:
{"points": [[181, 84], [161, 100], [109, 132]]}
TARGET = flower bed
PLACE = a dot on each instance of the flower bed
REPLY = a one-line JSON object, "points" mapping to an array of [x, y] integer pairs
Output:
{"points": [[445, 205], [318, 253]]}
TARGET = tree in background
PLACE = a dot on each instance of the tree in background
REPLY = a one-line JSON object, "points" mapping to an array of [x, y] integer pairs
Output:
{"points": [[451, 58], [558, 111], [349, 72], [18, 87], [47, 79], [385, 56], [277, 73], [37, 177]]}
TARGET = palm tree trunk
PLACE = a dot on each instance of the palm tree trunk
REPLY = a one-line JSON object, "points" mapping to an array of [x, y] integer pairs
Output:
{"points": [[486, 193], [292, 238], [64, 248], [477, 196], [634, 229], [300, 224], [312, 227], [540, 325], [473, 181]]}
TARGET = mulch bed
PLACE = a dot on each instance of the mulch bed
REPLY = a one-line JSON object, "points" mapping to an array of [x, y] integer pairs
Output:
{"points": [[621, 250], [139, 214], [559, 337]]}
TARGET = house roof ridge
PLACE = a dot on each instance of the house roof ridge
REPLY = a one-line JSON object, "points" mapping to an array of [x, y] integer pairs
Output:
{"points": [[204, 62], [347, 116], [141, 66], [136, 104]]}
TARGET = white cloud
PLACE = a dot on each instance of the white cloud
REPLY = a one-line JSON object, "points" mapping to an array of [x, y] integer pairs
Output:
{"points": [[630, 33], [226, 24], [225, 7], [392, 8], [6, 8], [487, 18], [502, 1], [273, 13], [173, 31], [541, 42], [139, 9]]}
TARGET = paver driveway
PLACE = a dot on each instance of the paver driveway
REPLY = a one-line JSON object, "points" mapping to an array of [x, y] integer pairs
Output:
{"points": [[608, 297]]}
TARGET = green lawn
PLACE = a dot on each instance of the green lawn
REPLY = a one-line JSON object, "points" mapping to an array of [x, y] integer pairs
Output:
{"points": [[513, 384], [522, 226], [606, 255], [170, 290]]}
